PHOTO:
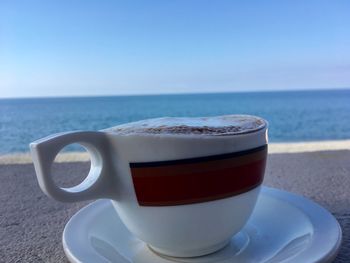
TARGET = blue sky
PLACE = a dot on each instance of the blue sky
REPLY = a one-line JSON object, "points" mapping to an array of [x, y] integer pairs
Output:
{"points": [[76, 47]]}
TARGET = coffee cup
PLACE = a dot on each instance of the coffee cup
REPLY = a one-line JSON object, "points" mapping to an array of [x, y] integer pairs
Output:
{"points": [[184, 186]]}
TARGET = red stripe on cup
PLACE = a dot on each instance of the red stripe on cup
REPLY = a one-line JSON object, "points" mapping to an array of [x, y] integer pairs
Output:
{"points": [[198, 179]]}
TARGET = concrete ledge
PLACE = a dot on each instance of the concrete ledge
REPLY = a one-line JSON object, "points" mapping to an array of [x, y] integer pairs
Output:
{"points": [[31, 224], [298, 147]]}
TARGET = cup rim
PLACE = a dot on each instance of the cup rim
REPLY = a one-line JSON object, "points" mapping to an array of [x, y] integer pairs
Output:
{"points": [[192, 135]]}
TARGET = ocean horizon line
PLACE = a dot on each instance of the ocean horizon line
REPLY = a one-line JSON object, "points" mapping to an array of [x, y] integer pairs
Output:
{"points": [[176, 94]]}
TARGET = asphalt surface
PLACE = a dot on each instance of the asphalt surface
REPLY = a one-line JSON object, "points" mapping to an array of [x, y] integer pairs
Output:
{"points": [[31, 224]]}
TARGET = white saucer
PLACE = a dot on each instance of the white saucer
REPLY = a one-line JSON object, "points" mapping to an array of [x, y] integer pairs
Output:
{"points": [[283, 228]]}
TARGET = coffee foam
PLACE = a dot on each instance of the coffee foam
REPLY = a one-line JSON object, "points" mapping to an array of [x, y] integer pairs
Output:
{"points": [[218, 125]]}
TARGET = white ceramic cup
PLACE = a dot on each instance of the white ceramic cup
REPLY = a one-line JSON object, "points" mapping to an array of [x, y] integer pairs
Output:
{"points": [[184, 195]]}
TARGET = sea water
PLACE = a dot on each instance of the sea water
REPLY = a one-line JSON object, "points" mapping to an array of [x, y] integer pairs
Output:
{"points": [[292, 115]]}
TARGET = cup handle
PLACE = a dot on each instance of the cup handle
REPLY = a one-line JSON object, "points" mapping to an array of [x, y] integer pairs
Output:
{"points": [[98, 184]]}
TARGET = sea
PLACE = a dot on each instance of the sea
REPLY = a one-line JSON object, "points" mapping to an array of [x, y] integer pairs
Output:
{"points": [[293, 116]]}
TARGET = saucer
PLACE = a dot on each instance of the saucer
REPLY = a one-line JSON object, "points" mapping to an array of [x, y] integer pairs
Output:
{"points": [[284, 227]]}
